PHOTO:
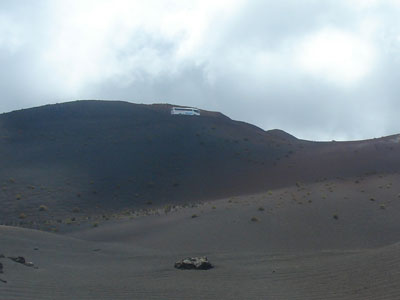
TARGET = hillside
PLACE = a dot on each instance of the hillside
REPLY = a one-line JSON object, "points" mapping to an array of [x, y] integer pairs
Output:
{"points": [[97, 156]]}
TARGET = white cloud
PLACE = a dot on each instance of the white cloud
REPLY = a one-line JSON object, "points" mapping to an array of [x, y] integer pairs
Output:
{"points": [[336, 55], [11, 37], [91, 41]]}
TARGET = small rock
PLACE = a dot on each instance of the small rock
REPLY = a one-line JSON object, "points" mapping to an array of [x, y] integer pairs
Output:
{"points": [[18, 259], [1, 268], [196, 263], [29, 264], [22, 260]]}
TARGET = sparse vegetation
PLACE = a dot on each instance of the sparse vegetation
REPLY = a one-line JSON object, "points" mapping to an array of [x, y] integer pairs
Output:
{"points": [[76, 210], [22, 216]]}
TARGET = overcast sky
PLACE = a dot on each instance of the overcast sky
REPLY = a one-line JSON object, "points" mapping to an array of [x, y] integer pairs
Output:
{"points": [[318, 69]]}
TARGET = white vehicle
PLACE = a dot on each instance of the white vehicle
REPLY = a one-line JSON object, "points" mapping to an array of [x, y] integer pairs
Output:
{"points": [[189, 111]]}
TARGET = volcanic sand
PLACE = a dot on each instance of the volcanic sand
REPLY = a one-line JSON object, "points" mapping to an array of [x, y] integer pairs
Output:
{"points": [[335, 239]]}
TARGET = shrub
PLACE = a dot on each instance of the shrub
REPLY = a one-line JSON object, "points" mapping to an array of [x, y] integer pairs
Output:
{"points": [[43, 208], [150, 184], [95, 224], [335, 216], [194, 216], [22, 216], [254, 219], [167, 208], [76, 210], [261, 208]]}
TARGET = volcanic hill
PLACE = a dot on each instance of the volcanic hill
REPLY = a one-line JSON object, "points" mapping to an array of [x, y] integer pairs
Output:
{"points": [[95, 156]]}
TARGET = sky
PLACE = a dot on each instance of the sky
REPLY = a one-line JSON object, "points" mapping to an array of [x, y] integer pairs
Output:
{"points": [[318, 69]]}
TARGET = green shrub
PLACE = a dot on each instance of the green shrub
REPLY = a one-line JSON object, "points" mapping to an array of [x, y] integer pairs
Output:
{"points": [[167, 208], [43, 208]]}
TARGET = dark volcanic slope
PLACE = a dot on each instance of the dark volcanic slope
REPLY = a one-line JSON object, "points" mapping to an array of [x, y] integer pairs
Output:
{"points": [[108, 154]]}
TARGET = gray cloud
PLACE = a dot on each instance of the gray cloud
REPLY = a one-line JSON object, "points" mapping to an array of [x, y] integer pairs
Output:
{"points": [[317, 69]]}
